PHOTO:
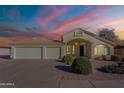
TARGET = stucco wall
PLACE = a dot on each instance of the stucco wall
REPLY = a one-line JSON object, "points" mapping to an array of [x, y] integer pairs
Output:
{"points": [[94, 41]]}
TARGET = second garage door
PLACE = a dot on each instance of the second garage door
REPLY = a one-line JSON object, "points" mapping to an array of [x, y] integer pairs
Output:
{"points": [[53, 52], [28, 53]]}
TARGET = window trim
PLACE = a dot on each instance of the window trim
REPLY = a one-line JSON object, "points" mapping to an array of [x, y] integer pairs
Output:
{"points": [[100, 50]]}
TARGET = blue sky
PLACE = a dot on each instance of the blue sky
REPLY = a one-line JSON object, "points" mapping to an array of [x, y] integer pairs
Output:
{"points": [[58, 19]]}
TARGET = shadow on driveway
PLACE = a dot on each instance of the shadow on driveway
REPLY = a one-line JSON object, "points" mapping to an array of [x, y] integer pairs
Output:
{"points": [[64, 68], [5, 57], [60, 60]]}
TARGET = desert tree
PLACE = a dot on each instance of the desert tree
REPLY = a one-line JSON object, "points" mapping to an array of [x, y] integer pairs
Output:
{"points": [[108, 34]]}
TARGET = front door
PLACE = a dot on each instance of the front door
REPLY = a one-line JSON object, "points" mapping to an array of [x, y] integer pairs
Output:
{"points": [[81, 50]]}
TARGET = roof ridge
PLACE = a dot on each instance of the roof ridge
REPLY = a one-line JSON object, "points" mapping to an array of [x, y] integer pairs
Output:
{"points": [[92, 34]]}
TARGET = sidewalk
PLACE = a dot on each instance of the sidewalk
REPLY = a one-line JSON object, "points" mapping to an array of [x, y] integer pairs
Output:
{"points": [[70, 84], [92, 84]]}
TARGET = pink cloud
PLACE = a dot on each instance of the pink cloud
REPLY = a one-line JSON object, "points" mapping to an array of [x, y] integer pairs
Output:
{"points": [[38, 18], [89, 16], [55, 15], [51, 17]]}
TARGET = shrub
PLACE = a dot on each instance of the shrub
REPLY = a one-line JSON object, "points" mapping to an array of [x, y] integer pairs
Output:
{"points": [[102, 57], [68, 59], [96, 57], [108, 57], [117, 68], [82, 65]]}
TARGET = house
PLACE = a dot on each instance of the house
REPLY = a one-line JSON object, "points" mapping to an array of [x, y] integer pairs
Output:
{"points": [[77, 42], [119, 49]]}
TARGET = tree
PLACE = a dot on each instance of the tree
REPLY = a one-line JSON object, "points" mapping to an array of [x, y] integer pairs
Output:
{"points": [[108, 34]]}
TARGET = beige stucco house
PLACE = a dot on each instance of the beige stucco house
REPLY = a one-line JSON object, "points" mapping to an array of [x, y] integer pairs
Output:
{"points": [[77, 42]]}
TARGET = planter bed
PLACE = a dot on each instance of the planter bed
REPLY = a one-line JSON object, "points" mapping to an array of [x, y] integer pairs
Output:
{"points": [[117, 68]]}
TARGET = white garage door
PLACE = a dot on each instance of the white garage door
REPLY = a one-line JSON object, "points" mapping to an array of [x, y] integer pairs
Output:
{"points": [[28, 53], [4, 51], [53, 52]]}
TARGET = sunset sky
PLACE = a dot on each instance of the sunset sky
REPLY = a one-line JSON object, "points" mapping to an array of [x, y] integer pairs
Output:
{"points": [[33, 20]]}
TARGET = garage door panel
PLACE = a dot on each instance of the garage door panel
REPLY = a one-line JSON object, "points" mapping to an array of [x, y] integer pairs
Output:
{"points": [[28, 53], [53, 52], [4, 51]]}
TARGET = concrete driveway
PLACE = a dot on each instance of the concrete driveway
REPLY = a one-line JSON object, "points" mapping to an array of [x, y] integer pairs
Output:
{"points": [[51, 73]]}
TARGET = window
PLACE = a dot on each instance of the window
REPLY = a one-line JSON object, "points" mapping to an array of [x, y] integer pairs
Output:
{"points": [[73, 49], [101, 50], [78, 33], [68, 51]]}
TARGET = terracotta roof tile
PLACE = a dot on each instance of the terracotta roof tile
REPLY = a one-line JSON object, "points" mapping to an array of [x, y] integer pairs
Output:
{"points": [[35, 40], [4, 42]]}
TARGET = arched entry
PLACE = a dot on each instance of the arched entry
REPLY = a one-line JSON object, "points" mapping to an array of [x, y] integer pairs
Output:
{"points": [[78, 47]]}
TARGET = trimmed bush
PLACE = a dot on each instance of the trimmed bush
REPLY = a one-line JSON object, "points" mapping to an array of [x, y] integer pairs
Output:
{"points": [[81, 65], [68, 59]]}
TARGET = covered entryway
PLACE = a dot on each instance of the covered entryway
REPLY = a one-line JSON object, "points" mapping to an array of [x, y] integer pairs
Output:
{"points": [[53, 52], [28, 53], [79, 47]]}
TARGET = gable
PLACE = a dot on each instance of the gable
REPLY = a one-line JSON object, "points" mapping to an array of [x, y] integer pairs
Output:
{"points": [[77, 33], [82, 34]]}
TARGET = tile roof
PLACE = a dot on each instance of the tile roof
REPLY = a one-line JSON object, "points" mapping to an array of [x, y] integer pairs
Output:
{"points": [[35, 40], [5, 43]]}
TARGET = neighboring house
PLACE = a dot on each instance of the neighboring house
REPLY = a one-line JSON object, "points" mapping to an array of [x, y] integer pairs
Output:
{"points": [[119, 49], [5, 47], [77, 42]]}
